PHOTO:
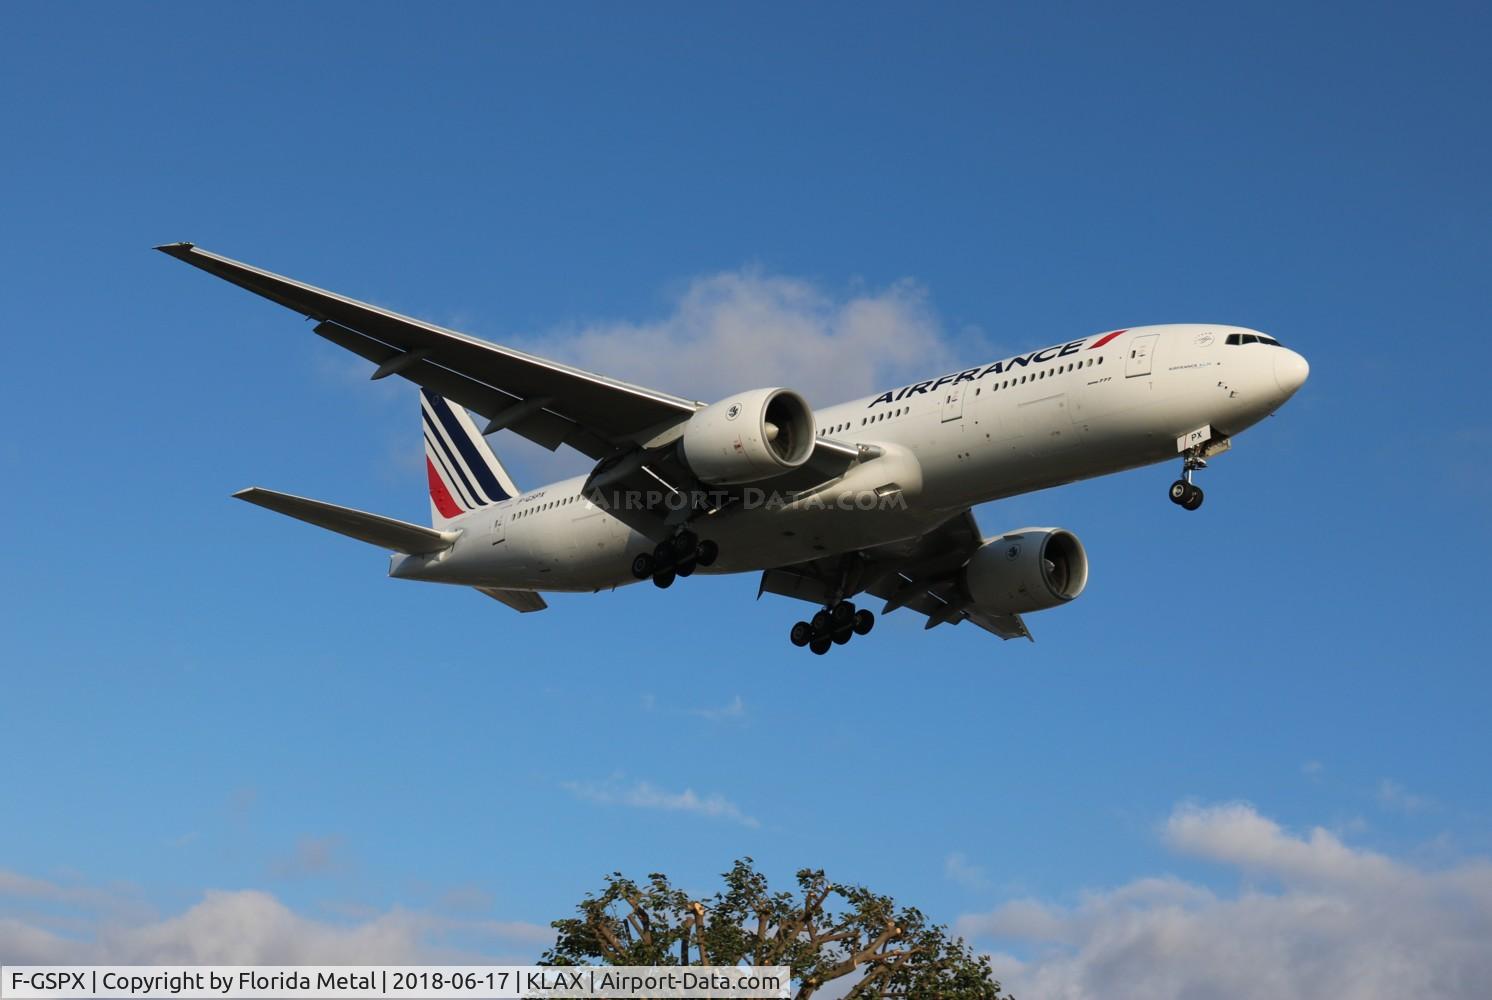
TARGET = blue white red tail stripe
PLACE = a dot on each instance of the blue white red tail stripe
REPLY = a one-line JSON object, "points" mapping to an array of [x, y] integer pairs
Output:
{"points": [[463, 473]]}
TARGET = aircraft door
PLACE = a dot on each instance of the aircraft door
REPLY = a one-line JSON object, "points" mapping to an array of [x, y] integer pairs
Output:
{"points": [[499, 526], [953, 403], [1140, 351]]}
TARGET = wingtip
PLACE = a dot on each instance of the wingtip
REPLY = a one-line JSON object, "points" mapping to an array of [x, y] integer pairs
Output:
{"points": [[176, 249], [245, 493]]}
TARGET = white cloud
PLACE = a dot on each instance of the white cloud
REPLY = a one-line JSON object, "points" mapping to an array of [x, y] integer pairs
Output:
{"points": [[720, 334], [1236, 834], [644, 795], [1394, 796], [245, 927], [735, 710], [1325, 920], [956, 868], [745, 329]]}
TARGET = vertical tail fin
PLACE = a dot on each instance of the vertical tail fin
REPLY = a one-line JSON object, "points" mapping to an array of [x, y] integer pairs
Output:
{"points": [[464, 474]]}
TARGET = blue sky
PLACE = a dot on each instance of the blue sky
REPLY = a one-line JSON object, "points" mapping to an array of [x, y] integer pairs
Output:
{"points": [[205, 706]]}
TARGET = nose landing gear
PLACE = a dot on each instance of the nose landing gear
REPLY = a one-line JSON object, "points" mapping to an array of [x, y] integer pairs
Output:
{"points": [[1184, 493], [833, 626], [674, 557]]}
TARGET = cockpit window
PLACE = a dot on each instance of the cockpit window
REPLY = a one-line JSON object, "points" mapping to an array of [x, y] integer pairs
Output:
{"points": [[1235, 339]]}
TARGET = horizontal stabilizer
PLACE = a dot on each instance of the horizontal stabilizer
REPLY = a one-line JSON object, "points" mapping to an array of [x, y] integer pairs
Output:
{"points": [[385, 532], [518, 600]]}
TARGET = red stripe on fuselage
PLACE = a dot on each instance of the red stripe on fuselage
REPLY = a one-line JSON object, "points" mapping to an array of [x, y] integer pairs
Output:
{"points": [[1105, 339], [438, 492]]}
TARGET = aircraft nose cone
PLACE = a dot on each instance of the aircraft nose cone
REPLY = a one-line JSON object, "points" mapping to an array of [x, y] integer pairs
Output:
{"points": [[1290, 370]]}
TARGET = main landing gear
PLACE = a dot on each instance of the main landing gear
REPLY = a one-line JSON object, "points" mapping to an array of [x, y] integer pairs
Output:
{"points": [[674, 557], [833, 626], [1183, 492]]}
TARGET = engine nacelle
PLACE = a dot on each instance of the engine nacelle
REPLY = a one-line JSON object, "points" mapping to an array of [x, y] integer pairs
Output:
{"points": [[1027, 570], [748, 437]]}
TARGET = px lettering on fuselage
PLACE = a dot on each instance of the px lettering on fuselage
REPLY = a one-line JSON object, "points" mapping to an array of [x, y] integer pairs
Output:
{"points": [[974, 374]]}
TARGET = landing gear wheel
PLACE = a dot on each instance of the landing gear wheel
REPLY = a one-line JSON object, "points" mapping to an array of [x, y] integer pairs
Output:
{"points": [[686, 567], [663, 556], [843, 635], [819, 646], [864, 622], [642, 566], [821, 623], [707, 553], [801, 634], [684, 544], [1185, 493], [842, 614], [663, 579]]}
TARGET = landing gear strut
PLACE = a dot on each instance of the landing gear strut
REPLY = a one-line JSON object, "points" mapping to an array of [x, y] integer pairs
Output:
{"points": [[674, 557], [1184, 493], [833, 626]]}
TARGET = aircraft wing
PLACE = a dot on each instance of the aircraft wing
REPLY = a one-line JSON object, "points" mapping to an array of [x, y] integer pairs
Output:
{"points": [[920, 574], [630, 429], [545, 401]]}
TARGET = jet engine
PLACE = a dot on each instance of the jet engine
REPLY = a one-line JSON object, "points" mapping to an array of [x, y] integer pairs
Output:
{"points": [[1027, 570], [748, 437]]}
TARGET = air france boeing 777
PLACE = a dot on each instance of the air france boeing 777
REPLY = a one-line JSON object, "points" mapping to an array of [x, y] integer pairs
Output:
{"points": [[871, 496]]}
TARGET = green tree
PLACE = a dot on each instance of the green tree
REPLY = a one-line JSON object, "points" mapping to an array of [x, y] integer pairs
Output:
{"points": [[825, 931]]}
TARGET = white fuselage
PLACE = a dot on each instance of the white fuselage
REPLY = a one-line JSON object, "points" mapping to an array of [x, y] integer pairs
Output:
{"points": [[1073, 411]]}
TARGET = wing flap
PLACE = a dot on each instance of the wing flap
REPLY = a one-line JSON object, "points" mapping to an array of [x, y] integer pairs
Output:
{"points": [[375, 529]]}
